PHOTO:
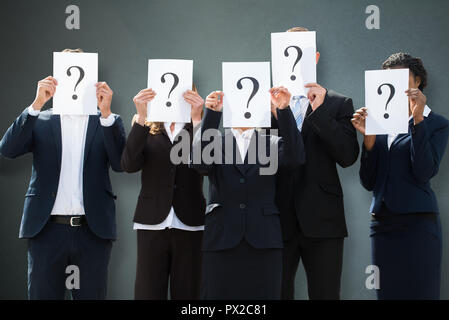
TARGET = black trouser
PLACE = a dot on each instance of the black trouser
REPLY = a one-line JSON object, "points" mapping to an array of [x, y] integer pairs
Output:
{"points": [[168, 255], [59, 246], [322, 259]]}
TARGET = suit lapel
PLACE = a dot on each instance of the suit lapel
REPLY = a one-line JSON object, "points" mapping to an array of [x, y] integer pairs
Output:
{"points": [[305, 126], [90, 134], [253, 145], [55, 121]]}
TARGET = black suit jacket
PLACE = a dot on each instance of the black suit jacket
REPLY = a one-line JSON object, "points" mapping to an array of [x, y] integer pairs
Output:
{"points": [[164, 184], [241, 201], [311, 196]]}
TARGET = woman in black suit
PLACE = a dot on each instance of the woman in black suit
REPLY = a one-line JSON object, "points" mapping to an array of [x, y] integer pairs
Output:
{"points": [[405, 227], [169, 217], [242, 244]]}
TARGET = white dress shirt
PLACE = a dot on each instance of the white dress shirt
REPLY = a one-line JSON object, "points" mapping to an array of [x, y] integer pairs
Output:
{"points": [[243, 139], [69, 198], [172, 221], [392, 137]]}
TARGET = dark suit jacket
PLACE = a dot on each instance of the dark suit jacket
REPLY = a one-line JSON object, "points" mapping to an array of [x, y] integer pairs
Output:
{"points": [[164, 184], [311, 195], [241, 201], [41, 135], [400, 177]]}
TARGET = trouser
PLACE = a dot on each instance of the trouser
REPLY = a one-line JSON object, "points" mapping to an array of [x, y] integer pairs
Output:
{"points": [[323, 261], [168, 256], [63, 258]]}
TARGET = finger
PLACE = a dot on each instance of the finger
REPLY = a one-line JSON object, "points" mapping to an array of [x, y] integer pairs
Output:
{"points": [[148, 90], [312, 85], [146, 96]]}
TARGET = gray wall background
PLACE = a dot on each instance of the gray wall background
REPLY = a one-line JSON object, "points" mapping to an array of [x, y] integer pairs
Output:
{"points": [[127, 33]]}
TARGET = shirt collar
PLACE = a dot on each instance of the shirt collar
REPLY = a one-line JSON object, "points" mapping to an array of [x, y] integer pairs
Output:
{"points": [[247, 134]]}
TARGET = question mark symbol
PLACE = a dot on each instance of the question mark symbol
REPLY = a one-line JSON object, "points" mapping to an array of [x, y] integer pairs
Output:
{"points": [[81, 77], [253, 93], [175, 84], [392, 92], [298, 57]]}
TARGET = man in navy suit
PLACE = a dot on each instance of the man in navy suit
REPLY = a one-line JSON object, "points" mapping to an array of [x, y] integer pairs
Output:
{"points": [[69, 211]]}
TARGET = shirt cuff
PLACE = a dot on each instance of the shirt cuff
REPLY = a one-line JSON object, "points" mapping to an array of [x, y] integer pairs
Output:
{"points": [[33, 112], [107, 122]]}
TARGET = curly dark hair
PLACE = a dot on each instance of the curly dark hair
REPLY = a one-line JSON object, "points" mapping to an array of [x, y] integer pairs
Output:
{"points": [[407, 61]]}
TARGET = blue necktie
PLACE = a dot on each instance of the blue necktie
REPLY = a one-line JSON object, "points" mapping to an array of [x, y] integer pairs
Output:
{"points": [[297, 111]]}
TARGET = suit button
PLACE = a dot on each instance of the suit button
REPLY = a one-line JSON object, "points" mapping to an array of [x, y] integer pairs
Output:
{"points": [[242, 180], [53, 194], [242, 206]]}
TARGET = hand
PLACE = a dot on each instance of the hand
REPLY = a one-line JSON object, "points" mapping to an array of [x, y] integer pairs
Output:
{"points": [[214, 101], [195, 100], [46, 89], [280, 98], [141, 101], [315, 95], [359, 119], [417, 102], [104, 98]]}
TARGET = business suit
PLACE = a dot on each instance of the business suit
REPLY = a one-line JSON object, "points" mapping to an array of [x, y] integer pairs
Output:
{"points": [[242, 242], [172, 253], [405, 228], [310, 199], [41, 135]]}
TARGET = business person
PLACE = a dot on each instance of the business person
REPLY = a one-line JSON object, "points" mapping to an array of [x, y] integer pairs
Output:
{"points": [[405, 228], [310, 197], [169, 217], [242, 244], [69, 211]]}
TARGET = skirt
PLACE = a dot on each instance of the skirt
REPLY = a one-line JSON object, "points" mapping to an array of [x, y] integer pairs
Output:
{"points": [[242, 273]]}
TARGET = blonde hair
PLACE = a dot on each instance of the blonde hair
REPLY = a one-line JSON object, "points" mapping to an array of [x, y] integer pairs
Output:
{"points": [[73, 50], [157, 127], [297, 29]]}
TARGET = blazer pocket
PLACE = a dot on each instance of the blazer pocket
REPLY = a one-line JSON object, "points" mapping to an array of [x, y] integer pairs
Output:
{"points": [[211, 207], [332, 189], [270, 209]]}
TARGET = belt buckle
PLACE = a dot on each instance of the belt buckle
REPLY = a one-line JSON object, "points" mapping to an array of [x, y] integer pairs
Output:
{"points": [[72, 224]]}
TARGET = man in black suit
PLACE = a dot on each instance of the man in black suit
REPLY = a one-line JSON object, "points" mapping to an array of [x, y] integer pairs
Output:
{"points": [[310, 197]]}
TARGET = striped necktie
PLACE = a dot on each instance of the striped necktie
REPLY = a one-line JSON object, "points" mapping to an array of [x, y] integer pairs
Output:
{"points": [[297, 111]]}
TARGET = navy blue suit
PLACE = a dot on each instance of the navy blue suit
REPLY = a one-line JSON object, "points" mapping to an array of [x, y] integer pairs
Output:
{"points": [[406, 231], [41, 135], [242, 239]]}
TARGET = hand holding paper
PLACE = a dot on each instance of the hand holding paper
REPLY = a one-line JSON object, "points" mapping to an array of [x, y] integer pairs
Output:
{"points": [[141, 101], [104, 98], [46, 88]]}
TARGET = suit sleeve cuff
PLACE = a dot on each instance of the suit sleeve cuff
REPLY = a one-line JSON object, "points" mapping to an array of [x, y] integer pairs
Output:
{"points": [[109, 121], [32, 112]]}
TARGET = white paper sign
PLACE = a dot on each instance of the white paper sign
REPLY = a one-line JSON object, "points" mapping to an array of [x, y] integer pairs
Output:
{"points": [[170, 79], [247, 101], [386, 101], [77, 74], [293, 57]]}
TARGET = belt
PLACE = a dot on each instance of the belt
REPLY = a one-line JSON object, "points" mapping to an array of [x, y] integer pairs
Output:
{"points": [[404, 217], [73, 221]]}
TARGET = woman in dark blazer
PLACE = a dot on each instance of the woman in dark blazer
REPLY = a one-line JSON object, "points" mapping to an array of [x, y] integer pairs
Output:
{"points": [[169, 217], [242, 244], [405, 228]]}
